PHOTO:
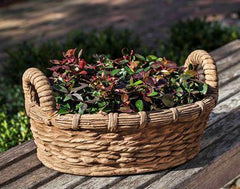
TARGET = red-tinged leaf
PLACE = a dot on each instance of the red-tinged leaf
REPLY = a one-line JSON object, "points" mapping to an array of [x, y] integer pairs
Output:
{"points": [[55, 61], [171, 64], [149, 81], [133, 65], [150, 91], [80, 54], [90, 67], [125, 109], [82, 63], [69, 53], [131, 53], [140, 75], [121, 91], [66, 67], [55, 68], [147, 99], [83, 72], [146, 75], [124, 97]]}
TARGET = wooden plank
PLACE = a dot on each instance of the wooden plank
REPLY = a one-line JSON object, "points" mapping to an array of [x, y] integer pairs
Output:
{"points": [[16, 153], [183, 173], [219, 172], [229, 75], [139, 180], [226, 50], [64, 181], [100, 182], [224, 64], [19, 169], [34, 179], [224, 108]]}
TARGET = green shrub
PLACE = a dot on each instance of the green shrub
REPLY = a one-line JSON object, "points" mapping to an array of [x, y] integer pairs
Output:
{"points": [[14, 124], [28, 54], [186, 36], [14, 129]]}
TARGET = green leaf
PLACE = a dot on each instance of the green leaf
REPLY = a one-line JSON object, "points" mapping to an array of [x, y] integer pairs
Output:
{"points": [[110, 66], [131, 81], [79, 106], [154, 93], [67, 106], [139, 105], [80, 111], [68, 97], [204, 88], [140, 57], [192, 73], [60, 88], [138, 82], [151, 58], [114, 72], [63, 111], [168, 100], [179, 91], [129, 71]]}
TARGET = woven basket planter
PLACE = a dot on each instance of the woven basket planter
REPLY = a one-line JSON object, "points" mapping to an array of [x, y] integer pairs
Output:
{"points": [[117, 143]]}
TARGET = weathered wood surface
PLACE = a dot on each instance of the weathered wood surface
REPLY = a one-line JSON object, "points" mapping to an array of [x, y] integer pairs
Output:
{"points": [[216, 164]]}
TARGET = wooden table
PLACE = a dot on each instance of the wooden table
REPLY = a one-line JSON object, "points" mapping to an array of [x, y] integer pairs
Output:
{"points": [[217, 163]]}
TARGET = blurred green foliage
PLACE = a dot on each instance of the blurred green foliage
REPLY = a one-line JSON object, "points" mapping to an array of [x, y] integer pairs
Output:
{"points": [[14, 124], [189, 35], [28, 54]]}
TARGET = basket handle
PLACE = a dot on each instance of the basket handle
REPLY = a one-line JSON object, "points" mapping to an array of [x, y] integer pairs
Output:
{"points": [[37, 90], [202, 58]]}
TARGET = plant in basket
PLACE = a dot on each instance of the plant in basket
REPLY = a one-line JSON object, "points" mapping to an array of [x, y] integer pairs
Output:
{"points": [[130, 83], [127, 115]]}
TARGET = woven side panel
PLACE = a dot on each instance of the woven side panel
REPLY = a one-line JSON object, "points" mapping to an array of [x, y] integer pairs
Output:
{"points": [[97, 154]]}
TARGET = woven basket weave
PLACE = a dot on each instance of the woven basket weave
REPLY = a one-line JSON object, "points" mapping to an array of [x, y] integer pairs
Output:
{"points": [[117, 143]]}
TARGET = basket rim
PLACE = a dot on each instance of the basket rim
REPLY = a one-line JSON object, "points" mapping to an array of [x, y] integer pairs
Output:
{"points": [[125, 121]]}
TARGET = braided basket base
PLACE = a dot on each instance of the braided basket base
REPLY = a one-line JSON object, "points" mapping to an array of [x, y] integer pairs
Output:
{"points": [[103, 154]]}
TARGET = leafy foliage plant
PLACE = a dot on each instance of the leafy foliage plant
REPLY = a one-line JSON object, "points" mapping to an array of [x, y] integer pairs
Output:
{"points": [[130, 83]]}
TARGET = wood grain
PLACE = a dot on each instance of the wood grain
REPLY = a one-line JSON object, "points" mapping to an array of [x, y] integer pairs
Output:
{"points": [[226, 50], [64, 181], [16, 153], [100, 182], [19, 169], [34, 178], [218, 173]]}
